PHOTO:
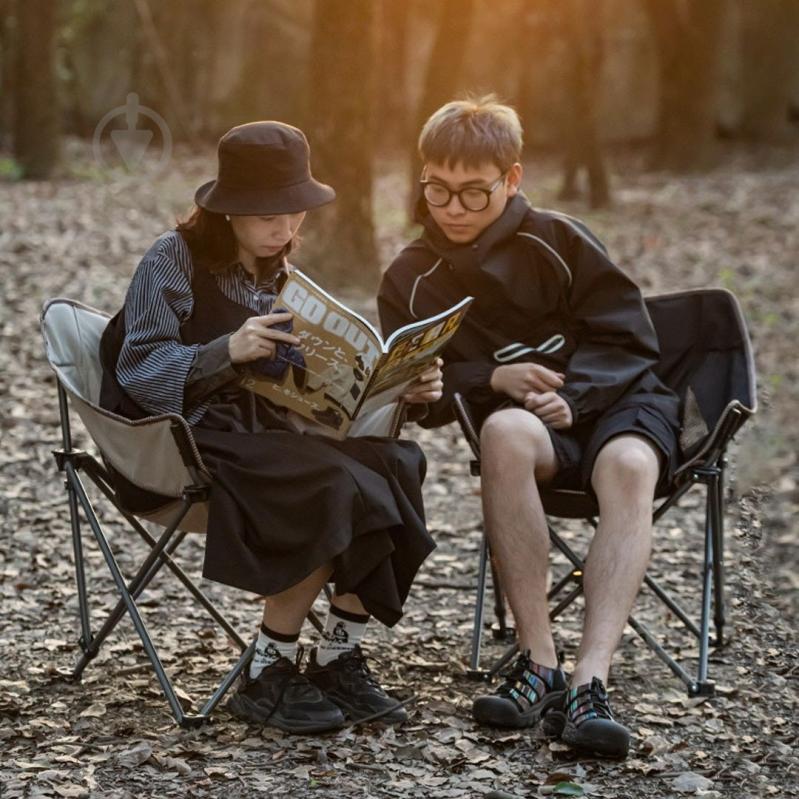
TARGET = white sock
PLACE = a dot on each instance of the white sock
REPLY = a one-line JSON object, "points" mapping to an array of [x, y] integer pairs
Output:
{"points": [[271, 646], [343, 631]]}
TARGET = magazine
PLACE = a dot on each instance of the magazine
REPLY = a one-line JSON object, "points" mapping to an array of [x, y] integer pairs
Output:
{"points": [[343, 373]]}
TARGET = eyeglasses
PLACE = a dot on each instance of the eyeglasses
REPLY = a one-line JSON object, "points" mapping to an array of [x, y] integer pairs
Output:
{"points": [[471, 198]]}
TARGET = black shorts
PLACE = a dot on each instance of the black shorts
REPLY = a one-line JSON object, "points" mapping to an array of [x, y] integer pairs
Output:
{"points": [[577, 449]]}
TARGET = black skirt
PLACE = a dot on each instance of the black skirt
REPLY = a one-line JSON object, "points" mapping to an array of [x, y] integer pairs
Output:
{"points": [[284, 503]]}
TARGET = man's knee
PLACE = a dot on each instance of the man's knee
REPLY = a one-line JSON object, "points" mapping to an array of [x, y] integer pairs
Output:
{"points": [[515, 437], [512, 428], [627, 463]]}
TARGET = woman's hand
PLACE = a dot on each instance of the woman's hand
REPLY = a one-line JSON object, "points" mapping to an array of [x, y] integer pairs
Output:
{"points": [[550, 408], [519, 379], [427, 387], [256, 338]]}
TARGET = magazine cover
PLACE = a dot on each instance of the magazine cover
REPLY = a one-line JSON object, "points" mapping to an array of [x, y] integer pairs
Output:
{"points": [[343, 369]]}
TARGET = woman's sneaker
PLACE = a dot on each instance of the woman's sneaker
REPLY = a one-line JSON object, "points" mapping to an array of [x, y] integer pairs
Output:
{"points": [[585, 722], [349, 683], [280, 696], [528, 692]]}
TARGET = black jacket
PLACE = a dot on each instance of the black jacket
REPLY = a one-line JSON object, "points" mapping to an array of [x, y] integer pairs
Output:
{"points": [[545, 291]]}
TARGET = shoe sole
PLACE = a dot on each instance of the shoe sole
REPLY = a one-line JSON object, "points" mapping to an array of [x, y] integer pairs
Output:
{"points": [[377, 716], [489, 714], [243, 708], [614, 746]]}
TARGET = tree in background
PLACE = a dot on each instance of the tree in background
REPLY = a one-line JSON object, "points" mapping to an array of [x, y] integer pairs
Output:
{"points": [[687, 37], [580, 109], [36, 109], [7, 23], [392, 69], [769, 65], [444, 68], [340, 130]]}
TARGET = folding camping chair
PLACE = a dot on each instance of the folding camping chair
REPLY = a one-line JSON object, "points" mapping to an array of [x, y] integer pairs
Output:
{"points": [[156, 455], [706, 358]]}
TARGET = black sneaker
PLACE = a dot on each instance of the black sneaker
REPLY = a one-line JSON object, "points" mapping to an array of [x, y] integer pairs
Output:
{"points": [[528, 693], [282, 697], [349, 683], [585, 722]]}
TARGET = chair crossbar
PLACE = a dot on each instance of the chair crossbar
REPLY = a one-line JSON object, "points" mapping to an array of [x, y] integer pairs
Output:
{"points": [[130, 604], [95, 471]]}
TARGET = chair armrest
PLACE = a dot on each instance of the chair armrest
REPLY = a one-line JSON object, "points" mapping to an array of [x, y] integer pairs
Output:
{"points": [[712, 447]]}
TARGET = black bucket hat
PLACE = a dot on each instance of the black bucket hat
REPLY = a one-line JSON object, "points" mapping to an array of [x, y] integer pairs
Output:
{"points": [[264, 168]]}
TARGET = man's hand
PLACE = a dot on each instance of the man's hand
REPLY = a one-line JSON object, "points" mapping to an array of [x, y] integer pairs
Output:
{"points": [[550, 408], [518, 380], [427, 387], [256, 338]]}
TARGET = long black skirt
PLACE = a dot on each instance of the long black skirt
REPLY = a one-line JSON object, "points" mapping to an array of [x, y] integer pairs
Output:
{"points": [[283, 504]]}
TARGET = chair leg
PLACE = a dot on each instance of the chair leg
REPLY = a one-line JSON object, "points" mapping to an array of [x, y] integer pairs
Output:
{"points": [[717, 520], [711, 480], [98, 478], [61, 458], [479, 605], [85, 640], [222, 689], [500, 632], [127, 598], [136, 586]]}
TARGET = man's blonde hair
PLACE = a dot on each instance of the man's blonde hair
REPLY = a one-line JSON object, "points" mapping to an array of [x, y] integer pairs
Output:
{"points": [[472, 132]]}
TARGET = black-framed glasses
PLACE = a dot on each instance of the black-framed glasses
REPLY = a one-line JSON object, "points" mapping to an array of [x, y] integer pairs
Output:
{"points": [[471, 198]]}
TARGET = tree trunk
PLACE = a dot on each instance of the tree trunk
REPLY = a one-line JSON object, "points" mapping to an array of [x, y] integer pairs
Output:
{"points": [[392, 102], [770, 60], [580, 125], [7, 22], [341, 136], [36, 122], [535, 23], [687, 37], [444, 70]]}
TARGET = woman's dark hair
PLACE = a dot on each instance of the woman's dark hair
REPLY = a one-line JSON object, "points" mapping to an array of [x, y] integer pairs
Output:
{"points": [[211, 240]]}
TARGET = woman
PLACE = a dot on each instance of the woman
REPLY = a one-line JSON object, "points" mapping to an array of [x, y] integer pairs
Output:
{"points": [[288, 512]]}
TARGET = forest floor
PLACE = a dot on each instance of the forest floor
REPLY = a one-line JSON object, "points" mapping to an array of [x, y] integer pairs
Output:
{"points": [[111, 735]]}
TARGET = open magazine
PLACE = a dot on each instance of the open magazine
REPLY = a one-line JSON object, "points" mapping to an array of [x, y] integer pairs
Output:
{"points": [[343, 373]]}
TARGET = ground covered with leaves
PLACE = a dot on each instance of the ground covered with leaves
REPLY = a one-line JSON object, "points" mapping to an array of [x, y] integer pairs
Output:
{"points": [[111, 736]]}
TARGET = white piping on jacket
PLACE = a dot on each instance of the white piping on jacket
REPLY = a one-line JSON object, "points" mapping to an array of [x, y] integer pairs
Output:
{"points": [[416, 283], [517, 350], [554, 252]]}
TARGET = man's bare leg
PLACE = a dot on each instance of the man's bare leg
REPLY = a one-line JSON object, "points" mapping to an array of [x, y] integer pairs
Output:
{"points": [[624, 477], [516, 452]]}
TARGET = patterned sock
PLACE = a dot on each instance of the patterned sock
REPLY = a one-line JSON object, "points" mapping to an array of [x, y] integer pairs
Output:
{"points": [[343, 631], [271, 646]]}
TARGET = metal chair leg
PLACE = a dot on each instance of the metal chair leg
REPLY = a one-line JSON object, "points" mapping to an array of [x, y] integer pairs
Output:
{"points": [[130, 604], [479, 605], [711, 480], [717, 520], [500, 630]]}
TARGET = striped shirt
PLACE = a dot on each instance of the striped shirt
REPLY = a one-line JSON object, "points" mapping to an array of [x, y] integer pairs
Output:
{"points": [[154, 365]]}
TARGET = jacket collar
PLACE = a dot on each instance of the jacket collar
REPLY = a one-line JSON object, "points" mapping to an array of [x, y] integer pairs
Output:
{"points": [[271, 271], [476, 253]]}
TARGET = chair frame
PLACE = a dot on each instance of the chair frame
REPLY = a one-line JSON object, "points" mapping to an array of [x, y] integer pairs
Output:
{"points": [[706, 467], [172, 516], [72, 462]]}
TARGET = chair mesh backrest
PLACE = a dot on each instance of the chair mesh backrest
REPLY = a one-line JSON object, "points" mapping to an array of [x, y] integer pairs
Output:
{"points": [[72, 335], [144, 451], [706, 356]]}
